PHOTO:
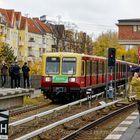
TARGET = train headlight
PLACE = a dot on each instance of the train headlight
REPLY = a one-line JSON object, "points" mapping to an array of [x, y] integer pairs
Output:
{"points": [[72, 79], [48, 79]]}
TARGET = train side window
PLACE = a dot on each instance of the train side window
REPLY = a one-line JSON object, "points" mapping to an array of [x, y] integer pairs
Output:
{"points": [[104, 67], [117, 67], [124, 67], [100, 68], [83, 68], [94, 68], [88, 68]]}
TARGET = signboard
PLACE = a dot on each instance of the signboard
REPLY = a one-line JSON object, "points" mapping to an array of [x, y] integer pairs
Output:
{"points": [[4, 119], [60, 79]]}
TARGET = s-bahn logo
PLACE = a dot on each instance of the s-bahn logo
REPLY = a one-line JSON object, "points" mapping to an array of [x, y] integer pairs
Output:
{"points": [[60, 79], [4, 119]]}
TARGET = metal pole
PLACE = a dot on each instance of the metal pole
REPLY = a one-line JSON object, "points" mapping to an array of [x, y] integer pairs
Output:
{"points": [[115, 83], [125, 80]]}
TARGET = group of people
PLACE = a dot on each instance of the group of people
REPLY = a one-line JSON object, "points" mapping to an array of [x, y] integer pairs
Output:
{"points": [[14, 73]]}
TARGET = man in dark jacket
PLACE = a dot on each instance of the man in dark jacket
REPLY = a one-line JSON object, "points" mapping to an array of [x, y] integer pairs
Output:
{"points": [[25, 70], [4, 69], [11, 74], [16, 74]]}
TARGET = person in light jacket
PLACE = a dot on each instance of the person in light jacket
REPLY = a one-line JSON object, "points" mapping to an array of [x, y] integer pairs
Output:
{"points": [[135, 82]]}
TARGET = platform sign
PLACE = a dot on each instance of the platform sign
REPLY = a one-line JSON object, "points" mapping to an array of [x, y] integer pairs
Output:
{"points": [[4, 120], [60, 79]]}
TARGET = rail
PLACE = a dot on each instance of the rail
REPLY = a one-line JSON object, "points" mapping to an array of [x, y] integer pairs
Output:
{"points": [[51, 111], [41, 130]]}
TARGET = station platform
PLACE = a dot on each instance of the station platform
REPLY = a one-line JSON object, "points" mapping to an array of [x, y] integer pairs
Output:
{"points": [[10, 98], [127, 130]]}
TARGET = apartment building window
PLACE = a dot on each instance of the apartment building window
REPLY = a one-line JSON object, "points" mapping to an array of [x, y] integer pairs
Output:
{"points": [[20, 38], [136, 28]]}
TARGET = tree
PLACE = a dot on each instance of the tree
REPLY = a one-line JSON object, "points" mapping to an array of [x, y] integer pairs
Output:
{"points": [[108, 40], [6, 53]]}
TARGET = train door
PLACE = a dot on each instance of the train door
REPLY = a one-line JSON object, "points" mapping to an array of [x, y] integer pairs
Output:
{"points": [[90, 73], [87, 74], [117, 66], [83, 74], [100, 72], [103, 72], [94, 72], [97, 74]]}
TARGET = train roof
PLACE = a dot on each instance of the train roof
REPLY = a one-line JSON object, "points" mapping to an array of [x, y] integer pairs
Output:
{"points": [[84, 55]]}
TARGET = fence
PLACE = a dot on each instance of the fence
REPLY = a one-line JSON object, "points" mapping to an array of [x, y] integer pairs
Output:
{"points": [[34, 81]]}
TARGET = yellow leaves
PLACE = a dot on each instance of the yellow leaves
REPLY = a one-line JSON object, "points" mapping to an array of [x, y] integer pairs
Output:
{"points": [[110, 40], [35, 68]]}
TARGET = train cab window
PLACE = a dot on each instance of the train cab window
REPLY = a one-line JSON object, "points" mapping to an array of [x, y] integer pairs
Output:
{"points": [[52, 65], [83, 68], [69, 65]]}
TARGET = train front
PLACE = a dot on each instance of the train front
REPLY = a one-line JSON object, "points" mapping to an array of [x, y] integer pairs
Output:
{"points": [[60, 76]]}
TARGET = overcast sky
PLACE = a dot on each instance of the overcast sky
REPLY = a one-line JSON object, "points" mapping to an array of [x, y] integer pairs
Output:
{"points": [[92, 16]]}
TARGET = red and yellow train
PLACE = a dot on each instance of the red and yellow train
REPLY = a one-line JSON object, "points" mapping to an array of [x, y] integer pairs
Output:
{"points": [[68, 75]]}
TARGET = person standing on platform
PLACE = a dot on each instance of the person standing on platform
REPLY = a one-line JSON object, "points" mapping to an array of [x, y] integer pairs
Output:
{"points": [[4, 69], [25, 70], [11, 74], [16, 74], [135, 82]]}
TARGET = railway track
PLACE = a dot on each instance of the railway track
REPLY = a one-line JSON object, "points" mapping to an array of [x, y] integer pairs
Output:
{"points": [[62, 121], [25, 109], [40, 118], [43, 117], [83, 133]]}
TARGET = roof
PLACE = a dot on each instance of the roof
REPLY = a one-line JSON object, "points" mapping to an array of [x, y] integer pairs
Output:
{"points": [[4, 13], [129, 22], [32, 27], [18, 16], [12, 17], [42, 25], [23, 23]]}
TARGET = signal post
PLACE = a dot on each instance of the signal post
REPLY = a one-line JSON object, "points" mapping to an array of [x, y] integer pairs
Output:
{"points": [[111, 63]]}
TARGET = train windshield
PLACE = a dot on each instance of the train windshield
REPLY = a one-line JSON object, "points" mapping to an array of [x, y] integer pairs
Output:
{"points": [[53, 65], [68, 65]]}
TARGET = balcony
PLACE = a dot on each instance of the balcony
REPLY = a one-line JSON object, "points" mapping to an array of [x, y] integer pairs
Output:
{"points": [[31, 44], [20, 58], [31, 54], [29, 59], [21, 43], [42, 45]]}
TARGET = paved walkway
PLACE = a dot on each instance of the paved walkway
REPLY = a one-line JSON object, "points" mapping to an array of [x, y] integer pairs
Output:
{"points": [[127, 130]]}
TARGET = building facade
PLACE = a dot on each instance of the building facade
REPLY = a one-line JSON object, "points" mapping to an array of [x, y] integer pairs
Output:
{"points": [[129, 32], [28, 37]]}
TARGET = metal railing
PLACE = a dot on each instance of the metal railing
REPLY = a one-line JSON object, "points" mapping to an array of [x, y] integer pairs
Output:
{"points": [[51, 111]]}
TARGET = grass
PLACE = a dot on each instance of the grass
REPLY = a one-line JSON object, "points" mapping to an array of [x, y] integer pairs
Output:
{"points": [[34, 101]]}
